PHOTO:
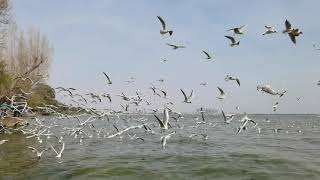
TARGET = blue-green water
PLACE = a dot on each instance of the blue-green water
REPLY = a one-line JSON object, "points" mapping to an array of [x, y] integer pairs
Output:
{"points": [[292, 153]]}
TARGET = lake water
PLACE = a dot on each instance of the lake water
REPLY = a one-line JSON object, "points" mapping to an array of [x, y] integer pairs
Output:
{"points": [[291, 153]]}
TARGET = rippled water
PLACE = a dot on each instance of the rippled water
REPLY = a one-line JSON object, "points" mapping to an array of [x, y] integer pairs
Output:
{"points": [[292, 153]]}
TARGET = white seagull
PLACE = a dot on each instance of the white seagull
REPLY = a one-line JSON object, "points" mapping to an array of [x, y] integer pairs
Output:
{"points": [[61, 151], [164, 139], [39, 153], [227, 117], [233, 41], [164, 30], [270, 30], [164, 123], [187, 99], [232, 78]]}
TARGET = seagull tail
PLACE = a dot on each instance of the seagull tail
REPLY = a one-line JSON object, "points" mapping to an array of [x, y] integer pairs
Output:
{"points": [[170, 32], [238, 43]]}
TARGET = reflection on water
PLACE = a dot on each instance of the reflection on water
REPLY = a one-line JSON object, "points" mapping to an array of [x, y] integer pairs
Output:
{"points": [[292, 153]]}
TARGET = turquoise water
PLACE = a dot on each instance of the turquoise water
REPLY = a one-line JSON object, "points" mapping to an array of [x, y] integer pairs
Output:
{"points": [[292, 153]]}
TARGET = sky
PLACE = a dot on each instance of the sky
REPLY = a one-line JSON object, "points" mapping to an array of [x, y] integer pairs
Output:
{"points": [[122, 39]]}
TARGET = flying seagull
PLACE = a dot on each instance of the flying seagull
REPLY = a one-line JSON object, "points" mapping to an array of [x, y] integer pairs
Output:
{"points": [[164, 30], [232, 78], [61, 151], [164, 123], [174, 47], [268, 89], [109, 81], [270, 30], [227, 117], [39, 153], [238, 30], [233, 41], [187, 99], [292, 32], [164, 139]]}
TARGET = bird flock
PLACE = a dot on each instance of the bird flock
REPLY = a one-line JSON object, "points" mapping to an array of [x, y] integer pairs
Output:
{"points": [[131, 122]]}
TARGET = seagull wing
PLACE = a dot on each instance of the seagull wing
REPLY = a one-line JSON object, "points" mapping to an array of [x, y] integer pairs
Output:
{"points": [[162, 23], [160, 122], [191, 95], [221, 91], [244, 26], [224, 116], [292, 37], [288, 25], [62, 148], [166, 116], [268, 27], [53, 149], [231, 39], [33, 149], [207, 54], [238, 81], [184, 94], [109, 81], [171, 45]]}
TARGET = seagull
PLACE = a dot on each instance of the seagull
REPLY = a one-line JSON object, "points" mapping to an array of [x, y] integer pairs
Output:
{"points": [[39, 154], [238, 30], [232, 78], [318, 83], [270, 30], [164, 139], [164, 30], [233, 41], [207, 54], [269, 90], [61, 151], [109, 81], [222, 94], [175, 46], [227, 117], [298, 98], [292, 32], [187, 99], [164, 123], [245, 119], [3, 141]]}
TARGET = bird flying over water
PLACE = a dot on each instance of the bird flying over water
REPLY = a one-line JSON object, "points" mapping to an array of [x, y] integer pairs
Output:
{"points": [[232, 78], [207, 54], [222, 94], [187, 99]]}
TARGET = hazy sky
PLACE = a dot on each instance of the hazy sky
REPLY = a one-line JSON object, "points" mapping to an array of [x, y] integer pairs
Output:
{"points": [[122, 38]]}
